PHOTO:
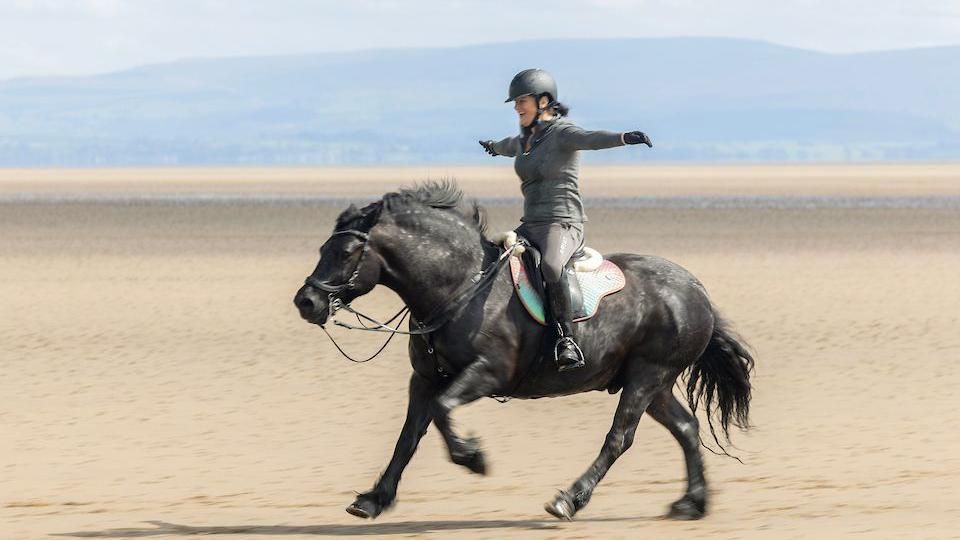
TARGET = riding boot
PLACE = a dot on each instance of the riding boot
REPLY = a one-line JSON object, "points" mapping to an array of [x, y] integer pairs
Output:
{"points": [[566, 351]]}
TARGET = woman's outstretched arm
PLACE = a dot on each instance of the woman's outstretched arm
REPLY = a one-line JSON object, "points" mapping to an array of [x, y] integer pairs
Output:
{"points": [[577, 138]]}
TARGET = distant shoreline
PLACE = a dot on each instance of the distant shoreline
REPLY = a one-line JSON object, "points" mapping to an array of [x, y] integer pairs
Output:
{"points": [[638, 185], [286, 199]]}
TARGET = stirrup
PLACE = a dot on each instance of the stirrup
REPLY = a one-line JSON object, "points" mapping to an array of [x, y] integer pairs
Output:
{"points": [[556, 354]]}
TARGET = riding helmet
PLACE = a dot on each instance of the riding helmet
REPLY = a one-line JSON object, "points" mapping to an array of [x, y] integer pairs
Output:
{"points": [[532, 82]]}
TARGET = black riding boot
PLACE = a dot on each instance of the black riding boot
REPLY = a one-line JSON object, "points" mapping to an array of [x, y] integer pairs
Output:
{"points": [[566, 351]]}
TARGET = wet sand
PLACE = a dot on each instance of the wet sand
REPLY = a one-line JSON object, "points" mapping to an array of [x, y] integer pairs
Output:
{"points": [[157, 382]]}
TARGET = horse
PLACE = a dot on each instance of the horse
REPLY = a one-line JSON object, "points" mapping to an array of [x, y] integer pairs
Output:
{"points": [[471, 338]]}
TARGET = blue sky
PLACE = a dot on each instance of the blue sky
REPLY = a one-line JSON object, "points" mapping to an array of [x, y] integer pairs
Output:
{"points": [[52, 37]]}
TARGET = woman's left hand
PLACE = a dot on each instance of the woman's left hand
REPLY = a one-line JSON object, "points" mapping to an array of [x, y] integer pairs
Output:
{"points": [[637, 137]]}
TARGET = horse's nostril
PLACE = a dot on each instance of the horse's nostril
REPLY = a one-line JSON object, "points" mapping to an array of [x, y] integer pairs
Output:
{"points": [[305, 304]]}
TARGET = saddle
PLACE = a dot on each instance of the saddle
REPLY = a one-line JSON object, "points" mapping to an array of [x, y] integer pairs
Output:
{"points": [[589, 276]]}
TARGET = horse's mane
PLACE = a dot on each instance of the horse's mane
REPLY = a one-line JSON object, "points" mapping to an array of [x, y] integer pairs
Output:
{"points": [[435, 194], [443, 194]]}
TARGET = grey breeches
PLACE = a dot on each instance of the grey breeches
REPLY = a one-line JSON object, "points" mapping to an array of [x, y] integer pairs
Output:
{"points": [[557, 242]]}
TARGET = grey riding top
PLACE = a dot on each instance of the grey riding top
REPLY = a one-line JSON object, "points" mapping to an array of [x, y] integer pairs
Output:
{"points": [[549, 172]]}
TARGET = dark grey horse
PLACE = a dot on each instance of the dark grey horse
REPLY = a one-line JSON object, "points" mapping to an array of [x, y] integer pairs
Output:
{"points": [[422, 245]]}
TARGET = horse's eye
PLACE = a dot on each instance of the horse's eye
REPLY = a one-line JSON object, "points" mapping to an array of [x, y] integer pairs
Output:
{"points": [[347, 249]]}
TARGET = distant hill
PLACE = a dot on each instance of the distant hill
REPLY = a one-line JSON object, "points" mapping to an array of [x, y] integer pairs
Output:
{"points": [[698, 98]]}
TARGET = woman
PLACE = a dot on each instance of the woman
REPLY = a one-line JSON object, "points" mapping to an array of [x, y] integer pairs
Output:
{"points": [[547, 163]]}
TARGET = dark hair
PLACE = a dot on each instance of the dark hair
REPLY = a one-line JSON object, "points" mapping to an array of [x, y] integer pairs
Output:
{"points": [[560, 108]]}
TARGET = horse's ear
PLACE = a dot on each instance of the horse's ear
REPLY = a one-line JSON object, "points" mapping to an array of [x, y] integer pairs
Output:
{"points": [[346, 216], [350, 213]]}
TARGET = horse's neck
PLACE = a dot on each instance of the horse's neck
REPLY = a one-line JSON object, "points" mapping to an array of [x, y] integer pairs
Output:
{"points": [[427, 267]]}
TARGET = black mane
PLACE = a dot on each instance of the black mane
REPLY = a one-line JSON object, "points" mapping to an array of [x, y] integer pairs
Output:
{"points": [[435, 194], [444, 194]]}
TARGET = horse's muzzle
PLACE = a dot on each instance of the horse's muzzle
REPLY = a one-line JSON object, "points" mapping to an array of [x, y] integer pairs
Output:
{"points": [[311, 304]]}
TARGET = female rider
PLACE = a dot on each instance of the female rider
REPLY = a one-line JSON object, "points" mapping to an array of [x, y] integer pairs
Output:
{"points": [[547, 162]]}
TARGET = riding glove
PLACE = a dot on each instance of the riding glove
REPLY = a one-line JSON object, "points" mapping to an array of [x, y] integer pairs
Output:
{"points": [[488, 146], [637, 137]]}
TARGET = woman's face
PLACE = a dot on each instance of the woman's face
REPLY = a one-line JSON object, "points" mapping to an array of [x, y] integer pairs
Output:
{"points": [[526, 107]]}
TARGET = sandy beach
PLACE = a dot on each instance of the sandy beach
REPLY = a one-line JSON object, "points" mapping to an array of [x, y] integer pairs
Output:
{"points": [[156, 380]]}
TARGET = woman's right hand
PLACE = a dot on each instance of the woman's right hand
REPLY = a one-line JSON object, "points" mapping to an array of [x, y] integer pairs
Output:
{"points": [[488, 146]]}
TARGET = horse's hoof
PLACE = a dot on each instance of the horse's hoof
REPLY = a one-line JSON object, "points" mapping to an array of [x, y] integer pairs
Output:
{"points": [[477, 464], [471, 456], [364, 507], [561, 507], [687, 509]]}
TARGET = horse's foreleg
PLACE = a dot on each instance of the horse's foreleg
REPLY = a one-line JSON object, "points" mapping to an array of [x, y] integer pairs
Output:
{"points": [[381, 497], [685, 428], [634, 399], [476, 381]]}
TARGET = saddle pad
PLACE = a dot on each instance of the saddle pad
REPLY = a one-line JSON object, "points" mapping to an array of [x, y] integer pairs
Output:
{"points": [[605, 280]]}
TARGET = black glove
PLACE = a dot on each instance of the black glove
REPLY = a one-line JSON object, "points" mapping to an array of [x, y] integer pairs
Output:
{"points": [[637, 137], [488, 146]]}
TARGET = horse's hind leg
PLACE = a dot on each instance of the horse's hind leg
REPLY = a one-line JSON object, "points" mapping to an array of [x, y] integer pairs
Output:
{"points": [[381, 497], [667, 410], [634, 399]]}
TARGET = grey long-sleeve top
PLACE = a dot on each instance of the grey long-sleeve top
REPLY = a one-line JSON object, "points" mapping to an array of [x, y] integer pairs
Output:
{"points": [[549, 172]]}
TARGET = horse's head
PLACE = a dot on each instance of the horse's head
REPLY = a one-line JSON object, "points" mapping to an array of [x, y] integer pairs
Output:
{"points": [[406, 240], [346, 269]]}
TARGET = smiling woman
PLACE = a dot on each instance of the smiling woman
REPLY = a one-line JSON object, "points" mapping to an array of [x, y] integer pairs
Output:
{"points": [[548, 165]]}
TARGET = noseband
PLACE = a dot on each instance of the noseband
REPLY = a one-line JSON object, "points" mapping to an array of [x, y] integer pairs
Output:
{"points": [[334, 302]]}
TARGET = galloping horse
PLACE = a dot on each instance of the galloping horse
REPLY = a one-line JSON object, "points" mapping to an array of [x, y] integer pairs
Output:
{"points": [[473, 339]]}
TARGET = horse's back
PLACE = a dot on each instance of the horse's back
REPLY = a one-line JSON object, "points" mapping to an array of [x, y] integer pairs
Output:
{"points": [[671, 304], [652, 274], [662, 316]]}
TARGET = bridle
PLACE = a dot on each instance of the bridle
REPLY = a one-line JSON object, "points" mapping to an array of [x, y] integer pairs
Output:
{"points": [[431, 324], [334, 302]]}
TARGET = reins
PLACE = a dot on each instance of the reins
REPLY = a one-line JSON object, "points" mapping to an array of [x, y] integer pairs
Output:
{"points": [[404, 311], [429, 325]]}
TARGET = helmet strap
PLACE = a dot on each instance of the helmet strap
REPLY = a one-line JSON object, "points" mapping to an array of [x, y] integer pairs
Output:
{"points": [[536, 119]]}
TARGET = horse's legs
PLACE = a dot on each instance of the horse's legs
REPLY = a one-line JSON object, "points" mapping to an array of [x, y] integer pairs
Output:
{"points": [[381, 497], [685, 428], [474, 382], [634, 399]]}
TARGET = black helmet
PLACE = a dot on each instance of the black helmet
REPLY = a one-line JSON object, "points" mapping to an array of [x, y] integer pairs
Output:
{"points": [[532, 82]]}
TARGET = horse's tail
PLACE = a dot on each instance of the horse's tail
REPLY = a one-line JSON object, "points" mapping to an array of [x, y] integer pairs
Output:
{"points": [[722, 373]]}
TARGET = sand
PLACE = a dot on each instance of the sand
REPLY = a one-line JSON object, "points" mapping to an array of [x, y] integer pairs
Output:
{"points": [[156, 381]]}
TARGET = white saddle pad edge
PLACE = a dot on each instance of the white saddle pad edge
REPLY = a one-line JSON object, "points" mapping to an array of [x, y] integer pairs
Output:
{"points": [[589, 263]]}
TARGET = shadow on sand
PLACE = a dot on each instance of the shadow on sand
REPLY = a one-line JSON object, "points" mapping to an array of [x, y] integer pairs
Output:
{"points": [[162, 528]]}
